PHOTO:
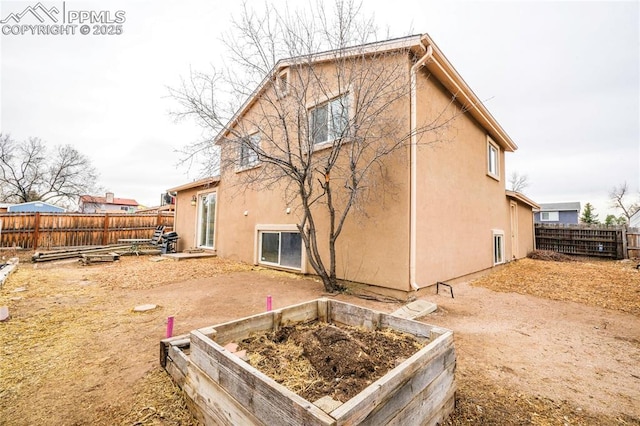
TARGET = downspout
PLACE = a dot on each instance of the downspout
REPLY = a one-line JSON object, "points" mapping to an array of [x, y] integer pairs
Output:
{"points": [[413, 169]]}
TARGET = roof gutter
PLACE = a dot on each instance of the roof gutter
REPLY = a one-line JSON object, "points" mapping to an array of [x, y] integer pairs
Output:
{"points": [[413, 167]]}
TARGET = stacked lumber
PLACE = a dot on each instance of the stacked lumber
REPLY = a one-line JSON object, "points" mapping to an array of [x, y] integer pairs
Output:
{"points": [[70, 253], [87, 259]]}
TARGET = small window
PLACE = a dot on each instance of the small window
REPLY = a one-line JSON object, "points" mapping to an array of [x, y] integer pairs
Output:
{"points": [[493, 159], [282, 84], [281, 249], [498, 247], [549, 216], [249, 151], [329, 121]]}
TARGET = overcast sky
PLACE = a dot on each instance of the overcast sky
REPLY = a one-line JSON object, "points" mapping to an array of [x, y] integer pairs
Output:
{"points": [[563, 79]]}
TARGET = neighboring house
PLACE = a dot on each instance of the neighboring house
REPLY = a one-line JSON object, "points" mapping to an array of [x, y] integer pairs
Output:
{"points": [[440, 212], [35, 206], [107, 204], [4, 207], [558, 213], [634, 220]]}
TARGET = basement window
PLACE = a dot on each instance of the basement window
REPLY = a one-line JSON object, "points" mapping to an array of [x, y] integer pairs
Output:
{"points": [[281, 248], [498, 247]]}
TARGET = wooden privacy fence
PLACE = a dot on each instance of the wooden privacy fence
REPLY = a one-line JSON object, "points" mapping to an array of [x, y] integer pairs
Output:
{"points": [[589, 240], [633, 243], [49, 230]]}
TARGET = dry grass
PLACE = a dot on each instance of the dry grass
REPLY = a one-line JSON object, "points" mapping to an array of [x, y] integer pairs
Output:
{"points": [[606, 284], [158, 401], [51, 346], [147, 274], [480, 401], [285, 364], [50, 341]]}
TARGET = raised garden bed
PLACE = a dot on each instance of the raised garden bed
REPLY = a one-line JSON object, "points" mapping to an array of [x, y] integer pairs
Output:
{"points": [[224, 389]]}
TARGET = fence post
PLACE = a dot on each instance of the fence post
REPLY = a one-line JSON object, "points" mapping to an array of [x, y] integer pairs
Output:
{"points": [[36, 231], [625, 251], [105, 229]]}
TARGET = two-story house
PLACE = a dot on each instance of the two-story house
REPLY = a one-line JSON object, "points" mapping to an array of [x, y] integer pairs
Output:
{"points": [[434, 209]]}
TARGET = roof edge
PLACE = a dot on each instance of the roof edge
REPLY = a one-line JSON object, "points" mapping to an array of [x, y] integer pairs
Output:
{"points": [[212, 181], [453, 81], [439, 65], [522, 198]]}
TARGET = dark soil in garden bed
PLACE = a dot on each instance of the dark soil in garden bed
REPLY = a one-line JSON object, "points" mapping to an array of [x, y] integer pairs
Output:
{"points": [[318, 359]]}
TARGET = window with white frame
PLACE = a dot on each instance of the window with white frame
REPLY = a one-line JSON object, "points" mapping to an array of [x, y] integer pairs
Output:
{"points": [[328, 121], [281, 248], [282, 84], [248, 151], [498, 247], [206, 220], [493, 159], [549, 216]]}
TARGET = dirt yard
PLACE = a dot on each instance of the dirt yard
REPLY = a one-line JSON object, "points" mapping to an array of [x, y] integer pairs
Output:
{"points": [[537, 342]]}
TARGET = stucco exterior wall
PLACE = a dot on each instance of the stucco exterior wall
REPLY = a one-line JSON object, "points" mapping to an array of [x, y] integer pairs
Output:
{"points": [[459, 205], [525, 232], [373, 246], [186, 216]]}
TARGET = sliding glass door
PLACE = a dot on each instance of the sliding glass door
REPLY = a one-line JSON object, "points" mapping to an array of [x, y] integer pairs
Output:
{"points": [[207, 220]]}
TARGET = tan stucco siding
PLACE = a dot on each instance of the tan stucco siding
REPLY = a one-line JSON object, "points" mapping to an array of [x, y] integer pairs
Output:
{"points": [[525, 231], [374, 244], [186, 217], [458, 205], [458, 208]]}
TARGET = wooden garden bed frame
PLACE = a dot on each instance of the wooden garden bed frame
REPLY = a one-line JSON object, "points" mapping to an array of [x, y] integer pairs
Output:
{"points": [[224, 390]]}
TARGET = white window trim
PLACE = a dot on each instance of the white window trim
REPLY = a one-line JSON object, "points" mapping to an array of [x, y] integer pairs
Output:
{"points": [[329, 97], [282, 92], [551, 217], [196, 239], [278, 228], [252, 165], [497, 233], [491, 144]]}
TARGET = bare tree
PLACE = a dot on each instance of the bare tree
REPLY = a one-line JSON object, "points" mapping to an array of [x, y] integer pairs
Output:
{"points": [[31, 172], [619, 197], [518, 182], [323, 123]]}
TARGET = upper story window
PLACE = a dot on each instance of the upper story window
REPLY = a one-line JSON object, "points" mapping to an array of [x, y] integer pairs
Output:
{"points": [[282, 84], [493, 159], [329, 121], [248, 151]]}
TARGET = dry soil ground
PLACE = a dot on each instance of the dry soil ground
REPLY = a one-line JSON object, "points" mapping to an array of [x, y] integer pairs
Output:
{"points": [[563, 351]]}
